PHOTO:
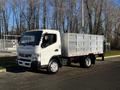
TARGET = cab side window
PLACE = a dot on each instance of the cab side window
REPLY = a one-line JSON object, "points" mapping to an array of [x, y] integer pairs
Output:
{"points": [[48, 40]]}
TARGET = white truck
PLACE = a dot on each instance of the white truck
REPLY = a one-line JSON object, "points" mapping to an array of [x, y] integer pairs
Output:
{"points": [[48, 49]]}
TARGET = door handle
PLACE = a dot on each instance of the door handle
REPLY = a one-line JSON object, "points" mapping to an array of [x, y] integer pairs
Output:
{"points": [[56, 50]]}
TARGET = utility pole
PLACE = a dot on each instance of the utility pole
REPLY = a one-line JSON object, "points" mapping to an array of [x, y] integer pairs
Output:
{"points": [[83, 16], [44, 13]]}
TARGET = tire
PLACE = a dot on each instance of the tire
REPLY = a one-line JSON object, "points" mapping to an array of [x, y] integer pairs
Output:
{"points": [[53, 67], [87, 62], [35, 66]]}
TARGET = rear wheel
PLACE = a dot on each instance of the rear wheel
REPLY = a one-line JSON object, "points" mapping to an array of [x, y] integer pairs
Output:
{"points": [[85, 62], [53, 67]]}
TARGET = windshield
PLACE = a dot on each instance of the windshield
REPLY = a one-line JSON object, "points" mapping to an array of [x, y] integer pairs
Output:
{"points": [[30, 38]]}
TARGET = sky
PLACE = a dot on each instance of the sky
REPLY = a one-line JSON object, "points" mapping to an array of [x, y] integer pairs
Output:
{"points": [[117, 2], [11, 19]]}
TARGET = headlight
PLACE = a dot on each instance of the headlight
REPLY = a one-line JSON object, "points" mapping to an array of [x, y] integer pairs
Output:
{"points": [[35, 57]]}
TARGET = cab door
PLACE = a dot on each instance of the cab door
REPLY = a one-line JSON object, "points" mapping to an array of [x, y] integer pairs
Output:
{"points": [[50, 48]]}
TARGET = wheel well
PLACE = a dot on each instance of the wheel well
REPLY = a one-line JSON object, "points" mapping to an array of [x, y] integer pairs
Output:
{"points": [[57, 59], [93, 58]]}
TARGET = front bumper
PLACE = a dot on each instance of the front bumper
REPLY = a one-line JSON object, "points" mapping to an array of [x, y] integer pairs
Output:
{"points": [[29, 64]]}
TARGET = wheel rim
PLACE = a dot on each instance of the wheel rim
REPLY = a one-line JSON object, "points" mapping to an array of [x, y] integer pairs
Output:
{"points": [[54, 67], [88, 61]]}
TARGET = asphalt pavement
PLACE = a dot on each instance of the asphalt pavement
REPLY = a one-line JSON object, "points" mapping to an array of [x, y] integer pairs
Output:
{"points": [[105, 75]]}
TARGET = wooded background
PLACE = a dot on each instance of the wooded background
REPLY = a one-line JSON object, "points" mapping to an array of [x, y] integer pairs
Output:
{"points": [[101, 17]]}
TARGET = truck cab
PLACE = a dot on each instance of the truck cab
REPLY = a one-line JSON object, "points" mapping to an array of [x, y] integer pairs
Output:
{"points": [[40, 49]]}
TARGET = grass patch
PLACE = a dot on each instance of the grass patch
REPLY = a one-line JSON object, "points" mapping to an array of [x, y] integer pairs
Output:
{"points": [[1, 68], [111, 53], [6, 62]]}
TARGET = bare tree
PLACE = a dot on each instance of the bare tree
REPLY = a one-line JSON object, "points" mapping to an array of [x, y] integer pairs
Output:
{"points": [[101, 16], [5, 15]]}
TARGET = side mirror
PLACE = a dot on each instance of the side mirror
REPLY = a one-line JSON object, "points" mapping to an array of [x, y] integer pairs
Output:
{"points": [[44, 43]]}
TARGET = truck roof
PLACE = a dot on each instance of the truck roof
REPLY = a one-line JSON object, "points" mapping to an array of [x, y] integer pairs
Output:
{"points": [[44, 30]]}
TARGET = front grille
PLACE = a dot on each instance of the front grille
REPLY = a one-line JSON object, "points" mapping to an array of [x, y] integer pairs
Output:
{"points": [[25, 55], [27, 60]]}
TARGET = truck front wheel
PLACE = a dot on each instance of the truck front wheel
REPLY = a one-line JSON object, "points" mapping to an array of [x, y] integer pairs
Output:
{"points": [[53, 67]]}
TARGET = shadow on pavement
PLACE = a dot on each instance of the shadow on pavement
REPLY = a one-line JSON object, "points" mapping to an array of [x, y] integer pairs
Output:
{"points": [[9, 63], [74, 65], [16, 69], [41, 71]]}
